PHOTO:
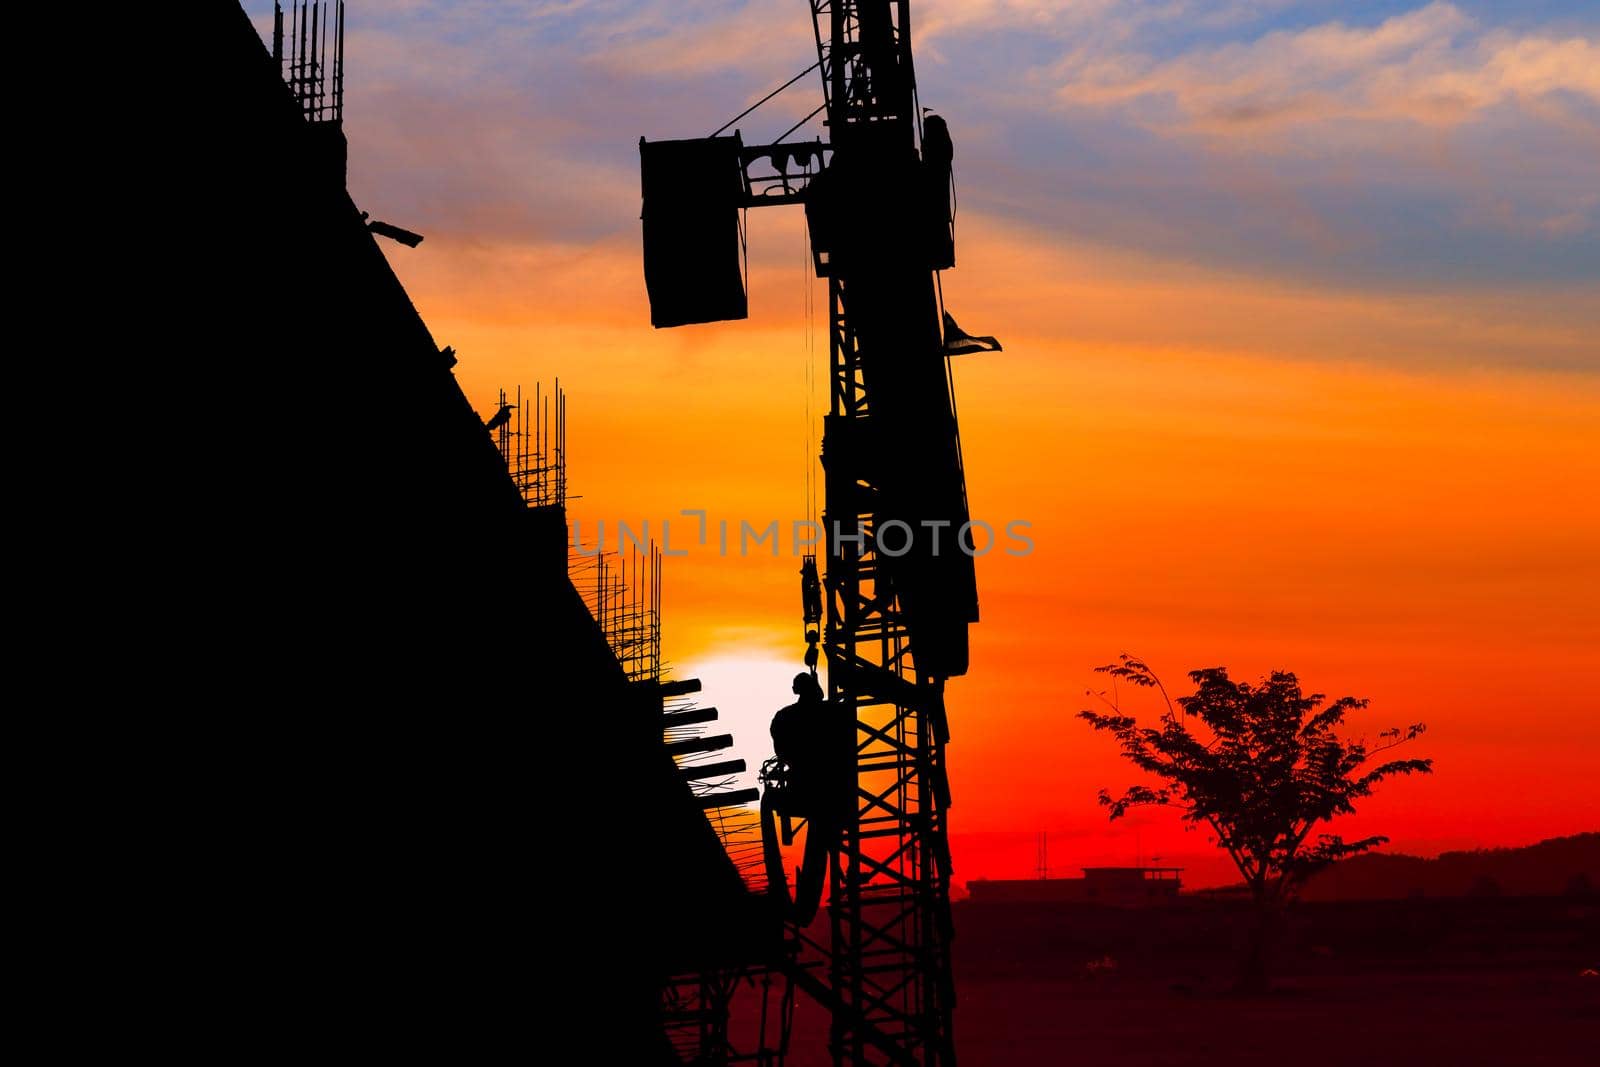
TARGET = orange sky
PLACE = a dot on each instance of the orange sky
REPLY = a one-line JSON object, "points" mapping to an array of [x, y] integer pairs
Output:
{"points": [[1301, 310], [1216, 471]]}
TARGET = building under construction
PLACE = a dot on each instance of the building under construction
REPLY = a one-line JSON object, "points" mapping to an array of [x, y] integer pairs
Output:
{"points": [[473, 813]]}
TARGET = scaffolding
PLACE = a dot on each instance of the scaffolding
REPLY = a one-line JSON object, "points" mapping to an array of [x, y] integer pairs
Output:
{"points": [[703, 1028]]}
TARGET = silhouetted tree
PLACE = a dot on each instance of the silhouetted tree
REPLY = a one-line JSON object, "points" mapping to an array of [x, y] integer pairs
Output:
{"points": [[1262, 767]]}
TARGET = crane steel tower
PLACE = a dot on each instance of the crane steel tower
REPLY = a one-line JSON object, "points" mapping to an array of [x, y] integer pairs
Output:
{"points": [[899, 586]]}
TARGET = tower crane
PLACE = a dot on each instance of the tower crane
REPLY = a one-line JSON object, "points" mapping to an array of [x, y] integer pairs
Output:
{"points": [[898, 590]]}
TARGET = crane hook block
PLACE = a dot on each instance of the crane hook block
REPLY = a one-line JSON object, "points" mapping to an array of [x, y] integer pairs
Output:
{"points": [[810, 592]]}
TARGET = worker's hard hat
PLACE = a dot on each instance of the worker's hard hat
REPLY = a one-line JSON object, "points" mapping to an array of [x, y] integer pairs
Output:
{"points": [[805, 685]]}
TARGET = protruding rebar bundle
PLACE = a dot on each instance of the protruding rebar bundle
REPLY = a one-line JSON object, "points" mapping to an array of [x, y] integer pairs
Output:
{"points": [[316, 81]]}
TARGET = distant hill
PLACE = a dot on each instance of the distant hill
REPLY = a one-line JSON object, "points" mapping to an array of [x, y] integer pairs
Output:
{"points": [[1557, 866]]}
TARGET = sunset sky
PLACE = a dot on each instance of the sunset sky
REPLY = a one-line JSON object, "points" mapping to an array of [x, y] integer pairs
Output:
{"points": [[1301, 314]]}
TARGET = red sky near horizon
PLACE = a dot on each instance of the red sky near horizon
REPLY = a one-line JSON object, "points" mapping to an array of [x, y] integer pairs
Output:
{"points": [[1312, 384]]}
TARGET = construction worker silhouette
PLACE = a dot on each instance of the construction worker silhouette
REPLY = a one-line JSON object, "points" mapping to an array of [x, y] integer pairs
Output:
{"points": [[809, 739], [812, 740], [795, 728]]}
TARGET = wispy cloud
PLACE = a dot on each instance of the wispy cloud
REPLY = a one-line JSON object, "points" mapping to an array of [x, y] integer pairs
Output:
{"points": [[1435, 65]]}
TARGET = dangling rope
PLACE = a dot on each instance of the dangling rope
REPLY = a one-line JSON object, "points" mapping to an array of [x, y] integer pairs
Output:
{"points": [[811, 360], [808, 290]]}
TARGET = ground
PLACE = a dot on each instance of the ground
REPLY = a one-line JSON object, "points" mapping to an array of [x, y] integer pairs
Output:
{"points": [[1376, 983], [1489, 1018]]}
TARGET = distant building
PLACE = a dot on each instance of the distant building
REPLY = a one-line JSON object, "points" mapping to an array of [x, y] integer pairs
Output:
{"points": [[1128, 887]]}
